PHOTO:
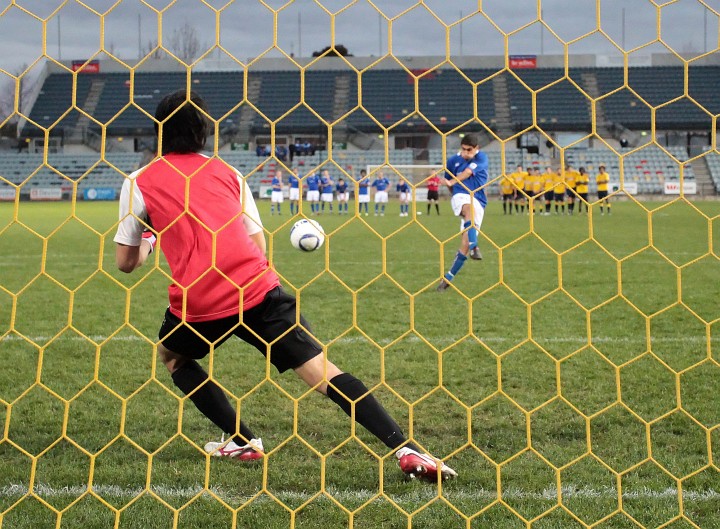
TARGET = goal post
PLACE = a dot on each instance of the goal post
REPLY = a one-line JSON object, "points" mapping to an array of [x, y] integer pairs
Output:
{"points": [[415, 175]]}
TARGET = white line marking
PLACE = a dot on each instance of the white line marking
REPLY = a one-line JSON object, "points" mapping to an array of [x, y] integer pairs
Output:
{"points": [[443, 340], [425, 494]]}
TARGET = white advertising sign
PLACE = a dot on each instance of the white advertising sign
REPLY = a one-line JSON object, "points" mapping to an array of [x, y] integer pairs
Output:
{"points": [[46, 193], [673, 188]]}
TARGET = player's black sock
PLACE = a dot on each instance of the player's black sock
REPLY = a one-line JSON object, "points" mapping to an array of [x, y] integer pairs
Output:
{"points": [[428, 207], [345, 388], [437, 208], [210, 399], [504, 208]]}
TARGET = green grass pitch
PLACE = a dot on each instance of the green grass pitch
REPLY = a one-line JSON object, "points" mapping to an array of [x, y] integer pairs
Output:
{"points": [[570, 377]]}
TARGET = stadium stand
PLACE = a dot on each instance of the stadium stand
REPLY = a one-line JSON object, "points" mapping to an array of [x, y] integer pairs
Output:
{"points": [[388, 98]]}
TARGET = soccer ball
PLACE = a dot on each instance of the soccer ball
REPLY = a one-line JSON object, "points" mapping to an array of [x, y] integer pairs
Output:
{"points": [[307, 235]]}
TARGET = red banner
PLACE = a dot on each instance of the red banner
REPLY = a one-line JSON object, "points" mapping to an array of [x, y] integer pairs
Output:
{"points": [[523, 61], [82, 67]]}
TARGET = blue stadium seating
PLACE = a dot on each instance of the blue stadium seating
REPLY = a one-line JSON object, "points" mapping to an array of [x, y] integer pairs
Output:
{"points": [[442, 99]]}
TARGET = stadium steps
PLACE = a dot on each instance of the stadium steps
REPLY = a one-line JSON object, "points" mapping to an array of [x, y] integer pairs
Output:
{"points": [[502, 106], [247, 113], [590, 83], [341, 104], [91, 103], [703, 180]]}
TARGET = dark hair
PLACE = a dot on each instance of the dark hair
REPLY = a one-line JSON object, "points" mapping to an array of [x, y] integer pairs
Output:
{"points": [[470, 139], [183, 122]]}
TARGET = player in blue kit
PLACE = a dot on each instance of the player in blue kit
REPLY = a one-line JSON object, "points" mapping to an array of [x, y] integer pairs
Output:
{"points": [[326, 190], [294, 197], [466, 175], [363, 192], [341, 188], [312, 181], [276, 198], [403, 190], [381, 185]]}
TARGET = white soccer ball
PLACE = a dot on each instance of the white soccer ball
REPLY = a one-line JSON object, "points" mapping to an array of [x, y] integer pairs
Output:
{"points": [[307, 235]]}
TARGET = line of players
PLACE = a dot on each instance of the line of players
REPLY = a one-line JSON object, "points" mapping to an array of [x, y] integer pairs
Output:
{"points": [[568, 187], [322, 190]]}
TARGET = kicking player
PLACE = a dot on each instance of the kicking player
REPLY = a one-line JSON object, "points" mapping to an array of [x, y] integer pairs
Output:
{"points": [[219, 268], [466, 174]]}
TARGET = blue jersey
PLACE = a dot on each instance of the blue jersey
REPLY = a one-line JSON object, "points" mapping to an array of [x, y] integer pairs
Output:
{"points": [[364, 186], [276, 184], [479, 165], [326, 184], [381, 184], [402, 187], [341, 188], [313, 182], [294, 181]]}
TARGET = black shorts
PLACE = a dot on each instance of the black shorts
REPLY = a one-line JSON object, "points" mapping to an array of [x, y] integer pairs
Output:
{"points": [[508, 196], [559, 197], [260, 326], [602, 194], [433, 195], [570, 192], [549, 195]]}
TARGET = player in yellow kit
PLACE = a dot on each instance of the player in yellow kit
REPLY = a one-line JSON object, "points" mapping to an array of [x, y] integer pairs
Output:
{"points": [[570, 178], [603, 181], [519, 177], [559, 193], [582, 183], [537, 190], [548, 179], [507, 189], [529, 179]]}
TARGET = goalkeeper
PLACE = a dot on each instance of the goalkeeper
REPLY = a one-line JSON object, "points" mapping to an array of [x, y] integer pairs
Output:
{"points": [[212, 237]]}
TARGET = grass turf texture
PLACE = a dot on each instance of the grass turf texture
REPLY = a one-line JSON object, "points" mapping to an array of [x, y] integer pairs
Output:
{"points": [[569, 377]]}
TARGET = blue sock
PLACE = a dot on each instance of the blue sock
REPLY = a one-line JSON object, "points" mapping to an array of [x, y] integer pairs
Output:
{"points": [[458, 263], [472, 234]]}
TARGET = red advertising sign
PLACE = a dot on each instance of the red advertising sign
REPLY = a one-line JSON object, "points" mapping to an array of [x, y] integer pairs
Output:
{"points": [[523, 61], [83, 67]]}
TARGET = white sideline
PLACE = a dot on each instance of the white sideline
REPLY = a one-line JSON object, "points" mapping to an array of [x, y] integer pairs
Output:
{"points": [[421, 494]]}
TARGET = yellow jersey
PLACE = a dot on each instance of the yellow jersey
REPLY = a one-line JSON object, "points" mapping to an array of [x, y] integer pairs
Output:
{"points": [[519, 178], [506, 185], [581, 183], [549, 181], [571, 177], [537, 183], [602, 179], [559, 184]]}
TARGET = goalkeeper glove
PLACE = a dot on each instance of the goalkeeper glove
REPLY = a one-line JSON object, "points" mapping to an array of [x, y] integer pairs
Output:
{"points": [[150, 237]]}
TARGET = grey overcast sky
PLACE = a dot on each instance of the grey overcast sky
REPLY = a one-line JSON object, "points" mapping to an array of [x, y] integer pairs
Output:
{"points": [[244, 28]]}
